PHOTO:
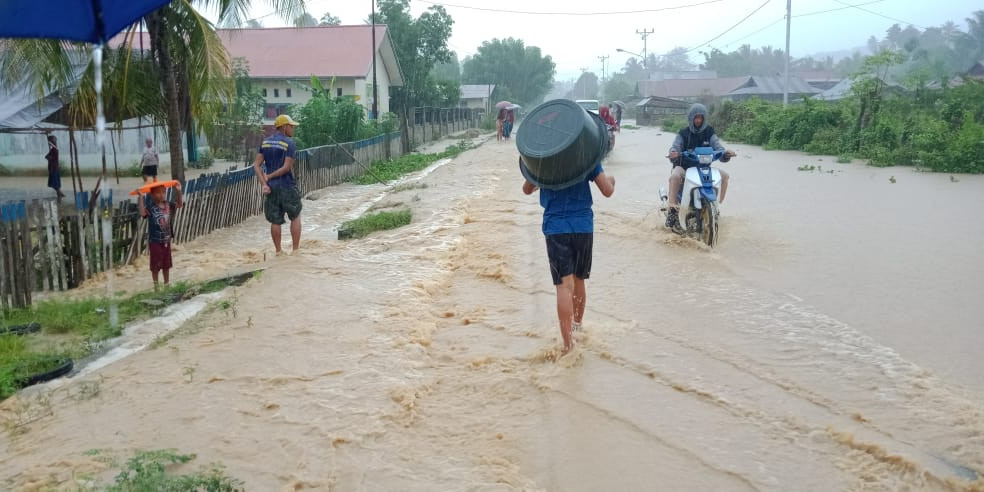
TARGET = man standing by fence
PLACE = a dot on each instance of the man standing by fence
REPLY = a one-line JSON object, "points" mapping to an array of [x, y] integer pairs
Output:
{"points": [[274, 166]]}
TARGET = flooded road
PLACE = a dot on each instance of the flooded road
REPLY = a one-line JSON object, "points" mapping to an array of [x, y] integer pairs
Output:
{"points": [[829, 343]]}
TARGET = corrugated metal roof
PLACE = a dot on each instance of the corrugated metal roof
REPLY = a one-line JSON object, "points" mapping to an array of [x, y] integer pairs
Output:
{"points": [[690, 87], [843, 89], [469, 91], [666, 101], [774, 85]]}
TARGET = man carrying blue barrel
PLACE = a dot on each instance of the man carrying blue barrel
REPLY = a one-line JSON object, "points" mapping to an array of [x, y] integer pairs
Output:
{"points": [[568, 221]]}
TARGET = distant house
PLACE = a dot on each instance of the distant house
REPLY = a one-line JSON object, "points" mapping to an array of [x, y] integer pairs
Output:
{"points": [[477, 96], [771, 89], [683, 75], [689, 89], [283, 60], [653, 109], [843, 89], [820, 79]]}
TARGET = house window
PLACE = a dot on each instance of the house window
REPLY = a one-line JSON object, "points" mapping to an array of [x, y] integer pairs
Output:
{"points": [[288, 92], [339, 91], [276, 93], [264, 92]]}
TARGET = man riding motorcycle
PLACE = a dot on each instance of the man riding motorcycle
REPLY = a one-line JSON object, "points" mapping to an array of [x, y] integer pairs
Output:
{"points": [[697, 133]]}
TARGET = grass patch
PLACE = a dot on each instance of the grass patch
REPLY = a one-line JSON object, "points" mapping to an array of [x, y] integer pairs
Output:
{"points": [[367, 224], [674, 123], [630, 127], [394, 168], [76, 328]]}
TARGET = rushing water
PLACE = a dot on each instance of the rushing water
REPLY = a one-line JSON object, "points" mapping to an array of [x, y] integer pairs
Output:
{"points": [[830, 342]]}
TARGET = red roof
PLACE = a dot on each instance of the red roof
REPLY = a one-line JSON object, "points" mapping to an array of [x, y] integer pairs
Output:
{"points": [[324, 51], [300, 52]]}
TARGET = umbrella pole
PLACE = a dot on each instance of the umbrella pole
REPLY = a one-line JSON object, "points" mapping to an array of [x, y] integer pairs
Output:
{"points": [[107, 206]]}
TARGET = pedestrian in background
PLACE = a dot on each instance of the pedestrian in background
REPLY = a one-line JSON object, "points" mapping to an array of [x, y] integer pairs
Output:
{"points": [[149, 161], [54, 169]]}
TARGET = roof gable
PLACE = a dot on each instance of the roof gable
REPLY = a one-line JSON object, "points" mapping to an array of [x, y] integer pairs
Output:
{"points": [[677, 88], [322, 51], [757, 84]]}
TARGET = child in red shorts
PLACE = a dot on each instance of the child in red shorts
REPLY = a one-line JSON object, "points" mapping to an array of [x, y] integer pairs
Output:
{"points": [[160, 212]]}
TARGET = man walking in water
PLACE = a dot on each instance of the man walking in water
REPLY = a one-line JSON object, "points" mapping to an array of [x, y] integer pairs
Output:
{"points": [[568, 225], [274, 165]]}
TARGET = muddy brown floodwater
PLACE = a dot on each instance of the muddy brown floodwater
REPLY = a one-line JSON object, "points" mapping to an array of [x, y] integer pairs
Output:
{"points": [[830, 342]]}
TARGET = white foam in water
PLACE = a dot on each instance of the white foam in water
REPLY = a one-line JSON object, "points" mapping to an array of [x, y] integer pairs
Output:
{"points": [[139, 335]]}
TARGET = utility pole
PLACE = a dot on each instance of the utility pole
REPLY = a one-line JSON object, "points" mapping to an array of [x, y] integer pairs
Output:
{"points": [[375, 92], [603, 58], [584, 83], [645, 62], [785, 87]]}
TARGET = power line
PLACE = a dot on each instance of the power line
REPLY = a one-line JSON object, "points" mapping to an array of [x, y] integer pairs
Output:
{"points": [[526, 12], [766, 2], [795, 16], [880, 15], [838, 8], [755, 32]]}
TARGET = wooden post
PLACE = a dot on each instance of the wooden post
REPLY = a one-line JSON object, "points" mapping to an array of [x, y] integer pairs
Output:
{"points": [[4, 252], [29, 275]]}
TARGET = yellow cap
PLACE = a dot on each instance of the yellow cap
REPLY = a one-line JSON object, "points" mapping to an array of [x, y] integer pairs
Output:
{"points": [[283, 120]]}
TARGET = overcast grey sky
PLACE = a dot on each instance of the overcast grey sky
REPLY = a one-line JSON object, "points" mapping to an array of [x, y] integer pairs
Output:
{"points": [[576, 41]]}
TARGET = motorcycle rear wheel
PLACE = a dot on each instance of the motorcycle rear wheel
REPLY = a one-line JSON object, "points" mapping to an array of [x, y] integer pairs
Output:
{"points": [[708, 225]]}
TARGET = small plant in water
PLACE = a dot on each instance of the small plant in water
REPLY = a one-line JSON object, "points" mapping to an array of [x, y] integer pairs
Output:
{"points": [[189, 372], [148, 471]]}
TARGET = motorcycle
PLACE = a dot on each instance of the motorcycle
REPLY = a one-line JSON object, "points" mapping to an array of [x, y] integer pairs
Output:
{"points": [[698, 199]]}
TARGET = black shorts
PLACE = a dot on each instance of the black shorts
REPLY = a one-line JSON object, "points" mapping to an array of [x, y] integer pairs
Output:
{"points": [[149, 171], [282, 200], [569, 254]]}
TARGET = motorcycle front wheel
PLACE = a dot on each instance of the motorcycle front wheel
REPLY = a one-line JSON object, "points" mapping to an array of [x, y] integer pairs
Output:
{"points": [[709, 223]]}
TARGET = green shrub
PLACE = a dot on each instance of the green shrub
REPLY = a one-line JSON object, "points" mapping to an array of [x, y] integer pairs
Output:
{"points": [[205, 160], [674, 123], [148, 471]]}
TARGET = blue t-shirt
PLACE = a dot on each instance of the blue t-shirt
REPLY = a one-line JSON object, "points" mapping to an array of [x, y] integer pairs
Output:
{"points": [[568, 211], [275, 149]]}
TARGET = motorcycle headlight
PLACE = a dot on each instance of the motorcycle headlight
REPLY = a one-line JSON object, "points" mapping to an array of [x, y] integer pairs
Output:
{"points": [[705, 158]]}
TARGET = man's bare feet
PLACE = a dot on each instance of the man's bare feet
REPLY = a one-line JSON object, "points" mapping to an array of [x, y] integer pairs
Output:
{"points": [[567, 349]]}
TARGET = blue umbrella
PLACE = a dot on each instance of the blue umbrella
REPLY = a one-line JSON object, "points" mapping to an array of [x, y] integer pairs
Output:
{"points": [[92, 21]]}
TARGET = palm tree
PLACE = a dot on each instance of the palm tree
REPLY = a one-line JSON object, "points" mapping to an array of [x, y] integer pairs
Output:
{"points": [[305, 20], [329, 20], [186, 56], [184, 43], [972, 42]]}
